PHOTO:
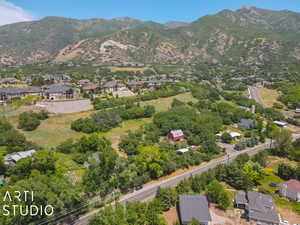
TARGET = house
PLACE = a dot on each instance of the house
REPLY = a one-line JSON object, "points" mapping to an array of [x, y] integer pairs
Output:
{"points": [[12, 159], [56, 77], [134, 84], [260, 208], [247, 123], [59, 92], [9, 80], [83, 82], [155, 83], [183, 150], [111, 86], [290, 190], [9, 93], [176, 135], [297, 110], [194, 207], [91, 88], [281, 124], [234, 134]]}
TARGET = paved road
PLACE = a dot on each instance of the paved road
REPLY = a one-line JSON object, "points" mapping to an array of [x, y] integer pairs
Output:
{"points": [[149, 191], [254, 94]]}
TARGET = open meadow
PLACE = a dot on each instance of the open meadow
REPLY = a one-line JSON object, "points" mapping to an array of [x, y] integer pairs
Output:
{"points": [[57, 128]]}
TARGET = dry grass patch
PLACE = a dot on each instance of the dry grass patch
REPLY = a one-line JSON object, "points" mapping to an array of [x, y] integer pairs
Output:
{"points": [[268, 96], [163, 104], [137, 69]]}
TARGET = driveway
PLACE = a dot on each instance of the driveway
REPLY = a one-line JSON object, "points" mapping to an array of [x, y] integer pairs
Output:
{"points": [[66, 106]]}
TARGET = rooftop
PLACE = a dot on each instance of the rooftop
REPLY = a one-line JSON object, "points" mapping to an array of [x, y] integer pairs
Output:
{"points": [[193, 206], [292, 185]]}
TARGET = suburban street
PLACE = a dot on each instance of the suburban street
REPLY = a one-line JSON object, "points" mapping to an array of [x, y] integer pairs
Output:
{"points": [[149, 191], [254, 94]]}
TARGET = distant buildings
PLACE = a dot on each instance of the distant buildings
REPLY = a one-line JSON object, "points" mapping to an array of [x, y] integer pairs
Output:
{"points": [[194, 207], [12, 159], [260, 208], [290, 190]]}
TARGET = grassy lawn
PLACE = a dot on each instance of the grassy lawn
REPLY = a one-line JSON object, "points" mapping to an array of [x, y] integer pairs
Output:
{"points": [[271, 177], [269, 96], [116, 134], [54, 130], [163, 104]]}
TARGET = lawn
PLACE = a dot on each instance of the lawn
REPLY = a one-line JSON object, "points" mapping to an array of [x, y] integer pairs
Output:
{"points": [[116, 134], [268, 96], [57, 128], [54, 130], [163, 104]]}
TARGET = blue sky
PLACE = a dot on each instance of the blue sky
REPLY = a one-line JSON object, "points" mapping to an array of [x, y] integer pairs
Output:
{"points": [[155, 10]]}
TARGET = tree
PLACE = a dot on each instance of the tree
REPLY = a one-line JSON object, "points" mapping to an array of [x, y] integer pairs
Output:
{"points": [[285, 171], [283, 142], [167, 197], [253, 171], [28, 121], [226, 138], [216, 193]]}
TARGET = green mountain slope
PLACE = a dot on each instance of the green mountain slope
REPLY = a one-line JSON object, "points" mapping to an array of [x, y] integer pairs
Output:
{"points": [[246, 36]]}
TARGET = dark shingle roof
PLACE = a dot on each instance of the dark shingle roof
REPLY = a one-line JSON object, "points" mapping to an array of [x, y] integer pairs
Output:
{"points": [[56, 88], [193, 206], [261, 207]]}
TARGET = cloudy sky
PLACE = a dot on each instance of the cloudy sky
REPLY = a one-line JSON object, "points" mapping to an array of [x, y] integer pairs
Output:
{"points": [[11, 13]]}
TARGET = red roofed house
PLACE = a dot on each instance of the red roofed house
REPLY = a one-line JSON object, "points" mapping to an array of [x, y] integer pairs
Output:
{"points": [[176, 135], [290, 190]]}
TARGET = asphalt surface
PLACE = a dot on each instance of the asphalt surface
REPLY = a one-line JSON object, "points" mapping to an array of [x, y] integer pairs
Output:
{"points": [[149, 191], [254, 94]]}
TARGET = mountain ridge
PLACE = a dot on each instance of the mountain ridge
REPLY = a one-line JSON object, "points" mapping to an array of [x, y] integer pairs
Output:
{"points": [[245, 36]]}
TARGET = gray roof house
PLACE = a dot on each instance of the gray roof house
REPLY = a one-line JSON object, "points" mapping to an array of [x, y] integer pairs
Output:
{"points": [[194, 207], [290, 190], [9, 80], [12, 159], [259, 207], [247, 123]]}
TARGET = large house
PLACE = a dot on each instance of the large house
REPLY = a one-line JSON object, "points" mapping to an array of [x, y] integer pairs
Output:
{"points": [[91, 88], [59, 92], [260, 208], [12, 159], [9, 80], [290, 190], [112, 86], [8, 93], [194, 207]]}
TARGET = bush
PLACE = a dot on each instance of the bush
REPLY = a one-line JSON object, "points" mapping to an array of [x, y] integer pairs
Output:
{"points": [[28, 121]]}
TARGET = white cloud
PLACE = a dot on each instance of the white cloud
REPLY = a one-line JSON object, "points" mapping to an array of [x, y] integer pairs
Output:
{"points": [[10, 13]]}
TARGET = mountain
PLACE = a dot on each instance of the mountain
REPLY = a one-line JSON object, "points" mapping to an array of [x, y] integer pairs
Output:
{"points": [[175, 24], [246, 36]]}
